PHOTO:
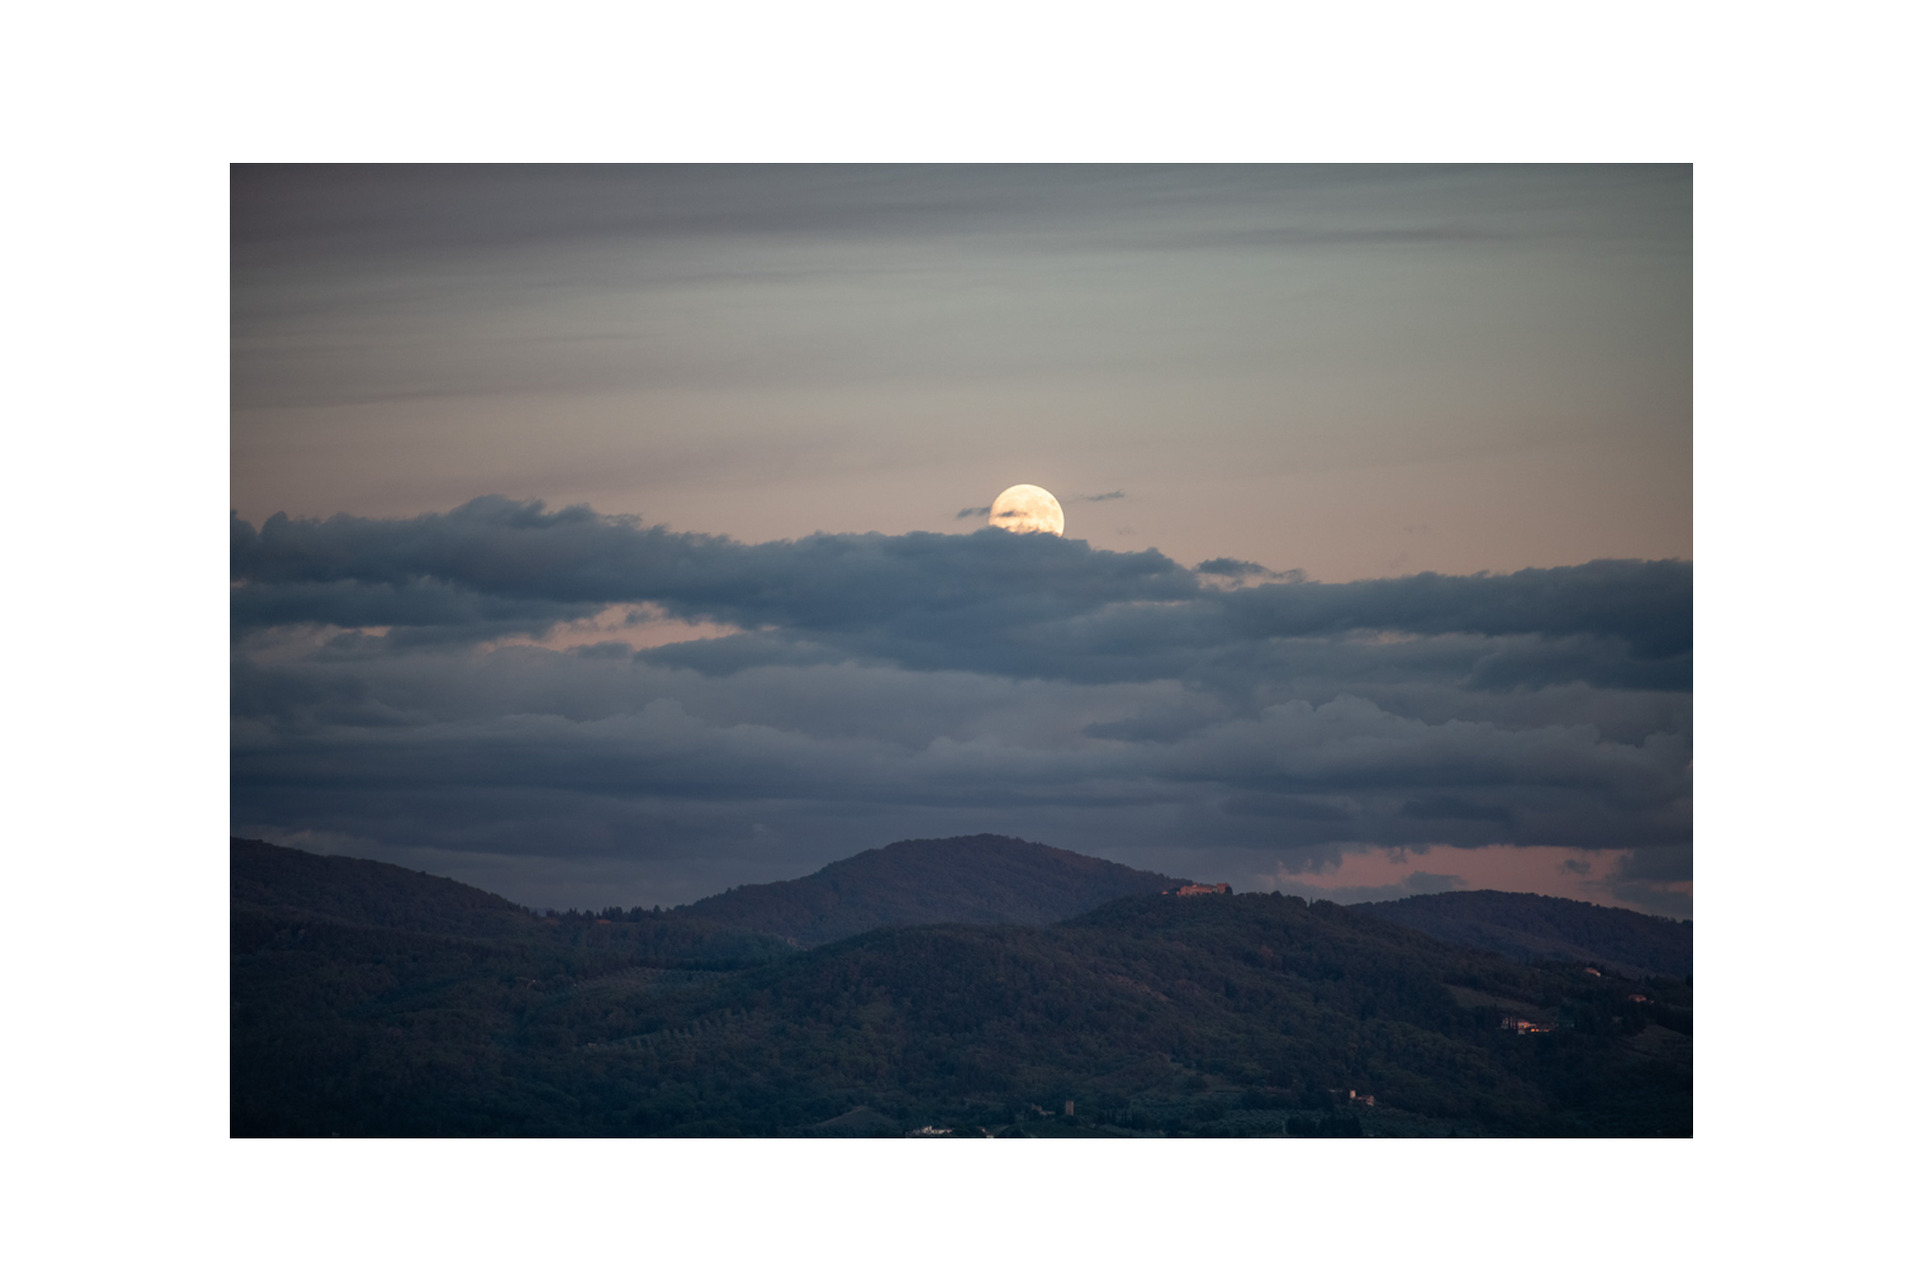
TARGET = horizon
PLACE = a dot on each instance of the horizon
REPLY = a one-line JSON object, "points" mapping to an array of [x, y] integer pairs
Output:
{"points": [[597, 908]]}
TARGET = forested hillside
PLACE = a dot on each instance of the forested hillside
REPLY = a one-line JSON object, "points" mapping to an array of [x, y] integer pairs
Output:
{"points": [[983, 879], [1250, 1014], [357, 890], [1527, 926]]}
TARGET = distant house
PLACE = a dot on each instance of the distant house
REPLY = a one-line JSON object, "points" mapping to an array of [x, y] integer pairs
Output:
{"points": [[1189, 890], [1525, 1026], [1637, 998], [1590, 969], [1359, 1099], [928, 1131]]}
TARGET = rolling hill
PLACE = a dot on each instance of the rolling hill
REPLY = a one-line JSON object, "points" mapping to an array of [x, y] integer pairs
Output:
{"points": [[983, 879], [269, 877], [1527, 926]]}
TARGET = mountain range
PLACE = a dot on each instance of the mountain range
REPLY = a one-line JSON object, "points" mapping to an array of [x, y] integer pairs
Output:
{"points": [[369, 999]]}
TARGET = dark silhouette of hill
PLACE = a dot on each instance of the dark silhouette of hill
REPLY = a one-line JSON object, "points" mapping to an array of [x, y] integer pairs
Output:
{"points": [[269, 877], [1250, 1014], [1528, 926], [278, 889], [983, 879]]}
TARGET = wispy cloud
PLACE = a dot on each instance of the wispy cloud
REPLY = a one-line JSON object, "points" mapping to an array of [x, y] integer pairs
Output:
{"points": [[1227, 567]]}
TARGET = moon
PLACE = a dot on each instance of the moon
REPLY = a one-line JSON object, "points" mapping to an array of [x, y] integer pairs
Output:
{"points": [[1027, 508]]}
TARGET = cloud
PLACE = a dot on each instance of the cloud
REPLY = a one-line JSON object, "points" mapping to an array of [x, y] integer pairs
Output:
{"points": [[1288, 807], [1231, 568], [1105, 497], [972, 513], [988, 600], [1227, 567], [1665, 864], [880, 687], [1446, 806], [1658, 878], [1427, 882]]}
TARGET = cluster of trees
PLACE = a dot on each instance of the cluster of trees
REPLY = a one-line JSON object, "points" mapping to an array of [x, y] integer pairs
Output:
{"points": [[613, 915]]}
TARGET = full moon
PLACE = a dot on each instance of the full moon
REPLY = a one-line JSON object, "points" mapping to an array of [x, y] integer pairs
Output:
{"points": [[1027, 508]]}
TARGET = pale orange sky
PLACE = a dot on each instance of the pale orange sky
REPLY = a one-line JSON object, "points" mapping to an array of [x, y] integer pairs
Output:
{"points": [[1513, 869], [1354, 372]]}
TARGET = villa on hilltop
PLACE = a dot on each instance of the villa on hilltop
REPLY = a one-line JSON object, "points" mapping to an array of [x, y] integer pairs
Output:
{"points": [[1188, 890]]}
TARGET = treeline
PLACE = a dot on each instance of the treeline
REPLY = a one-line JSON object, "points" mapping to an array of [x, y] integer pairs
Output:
{"points": [[609, 915]]}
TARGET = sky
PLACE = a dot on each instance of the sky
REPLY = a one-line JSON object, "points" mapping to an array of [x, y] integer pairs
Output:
{"points": [[616, 535]]}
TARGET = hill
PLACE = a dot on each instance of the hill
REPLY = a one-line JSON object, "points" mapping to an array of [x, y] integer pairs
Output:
{"points": [[359, 903], [269, 877], [983, 879], [1251, 1014], [1527, 926]]}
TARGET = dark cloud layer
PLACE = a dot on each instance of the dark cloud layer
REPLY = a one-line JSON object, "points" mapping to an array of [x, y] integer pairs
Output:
{"points": [[882, 687], [989, 600]]}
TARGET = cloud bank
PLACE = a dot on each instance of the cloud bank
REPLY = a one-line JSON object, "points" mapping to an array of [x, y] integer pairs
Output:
{"points": [[1217, 721]]}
